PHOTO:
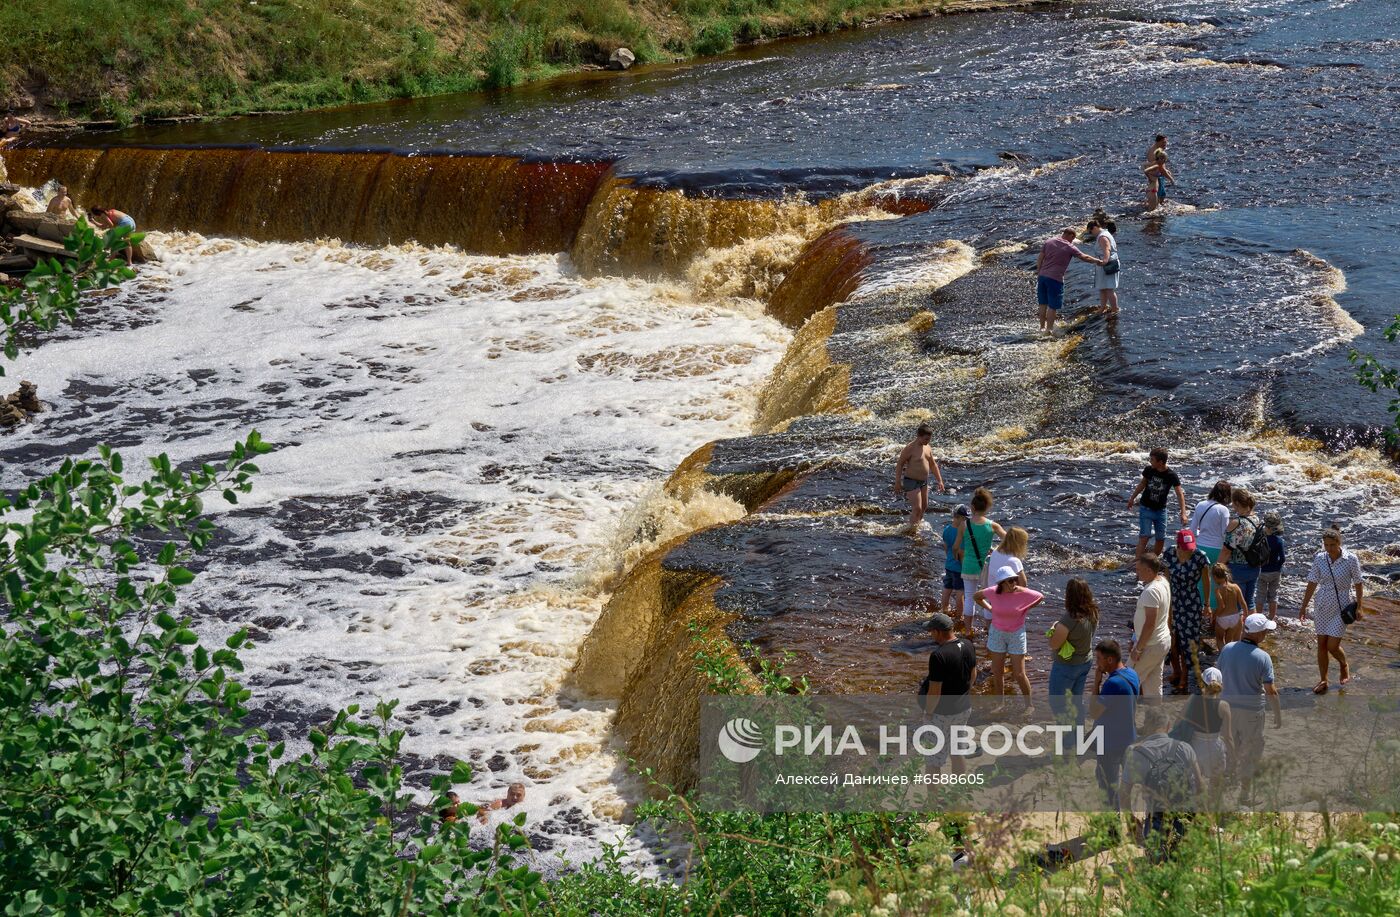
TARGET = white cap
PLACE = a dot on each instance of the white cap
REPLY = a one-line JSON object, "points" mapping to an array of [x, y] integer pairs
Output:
{"points": [[1005, 573], [1258, 624], [1212, 676]]}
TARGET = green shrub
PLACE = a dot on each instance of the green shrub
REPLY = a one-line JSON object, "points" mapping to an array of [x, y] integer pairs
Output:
{"points": [[129, 783], [715, 38], [501, 61]]}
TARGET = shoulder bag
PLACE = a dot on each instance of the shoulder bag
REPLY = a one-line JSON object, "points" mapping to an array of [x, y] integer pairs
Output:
{"points": [[1349, 612]]}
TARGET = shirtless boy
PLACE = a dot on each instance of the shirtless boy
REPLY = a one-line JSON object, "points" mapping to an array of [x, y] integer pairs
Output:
{"points": [[911, 473]]}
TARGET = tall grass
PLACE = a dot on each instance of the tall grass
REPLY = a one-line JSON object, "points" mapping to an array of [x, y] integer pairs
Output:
{"points": [[114, 58]]}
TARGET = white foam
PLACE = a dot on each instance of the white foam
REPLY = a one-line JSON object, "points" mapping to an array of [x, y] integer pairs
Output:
{"points": [[496, 417]]}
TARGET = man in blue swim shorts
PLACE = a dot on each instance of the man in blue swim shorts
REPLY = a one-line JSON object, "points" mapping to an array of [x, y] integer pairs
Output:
{"points": [[1050, 267]]}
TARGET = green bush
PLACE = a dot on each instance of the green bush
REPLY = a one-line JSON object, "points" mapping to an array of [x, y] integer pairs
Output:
{"points": [[129, 783], [715, 38], [501, 61]]}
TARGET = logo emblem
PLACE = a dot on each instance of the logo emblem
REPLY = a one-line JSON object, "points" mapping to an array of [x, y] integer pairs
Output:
{"points": [[740, 740]]}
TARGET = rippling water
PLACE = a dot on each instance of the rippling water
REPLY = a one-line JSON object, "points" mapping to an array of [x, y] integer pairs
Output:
{"points": [[1280, 114], [465, 437]]}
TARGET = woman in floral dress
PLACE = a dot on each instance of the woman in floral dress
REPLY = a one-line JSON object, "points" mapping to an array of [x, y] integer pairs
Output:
{"points": [[1186, 571]]}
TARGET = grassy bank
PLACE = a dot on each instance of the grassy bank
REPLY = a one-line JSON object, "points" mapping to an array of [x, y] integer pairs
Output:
{"points": [[111, 59]]}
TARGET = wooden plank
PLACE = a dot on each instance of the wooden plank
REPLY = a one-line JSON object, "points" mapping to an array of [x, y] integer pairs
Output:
{"points": [[41, 246]]}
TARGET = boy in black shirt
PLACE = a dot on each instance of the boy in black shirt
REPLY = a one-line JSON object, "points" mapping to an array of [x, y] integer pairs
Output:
{"points": [[1158, 481], [951, 667]]}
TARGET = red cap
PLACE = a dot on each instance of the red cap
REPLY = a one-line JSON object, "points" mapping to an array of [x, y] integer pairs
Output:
{"points": [[1185, 541]]}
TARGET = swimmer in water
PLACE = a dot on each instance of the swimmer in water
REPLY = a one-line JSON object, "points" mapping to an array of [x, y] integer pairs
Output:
{"points": [[11, 129], [61, 205], [1157, 177], [515, 795]]}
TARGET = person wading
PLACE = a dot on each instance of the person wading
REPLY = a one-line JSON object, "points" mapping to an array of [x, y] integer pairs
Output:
{"points": [[1335, 581], [974, 547], [1158, 483], [1009, 602], [1246, 545], [911, 474], [1157, 177], [1071, 642], [1107, 267], [1055, 255], [1188, 575], [1229, 605], [1208, 524], [107, 218]]}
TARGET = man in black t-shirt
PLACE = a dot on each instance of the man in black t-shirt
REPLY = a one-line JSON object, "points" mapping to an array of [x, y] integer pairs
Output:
{"points": [[947, 703], [1158, 482]]}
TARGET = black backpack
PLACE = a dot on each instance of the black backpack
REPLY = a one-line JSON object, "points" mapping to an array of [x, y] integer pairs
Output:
{"points": [[1169, 780], [1256, 553]]}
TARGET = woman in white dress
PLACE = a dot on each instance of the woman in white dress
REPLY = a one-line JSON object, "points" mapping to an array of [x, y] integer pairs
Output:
{"points": [[1335, 580], [1106, 269]]}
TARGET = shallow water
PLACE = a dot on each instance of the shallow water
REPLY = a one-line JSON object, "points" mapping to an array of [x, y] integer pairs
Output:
{"points": [[1280, 114], [465, 437]]}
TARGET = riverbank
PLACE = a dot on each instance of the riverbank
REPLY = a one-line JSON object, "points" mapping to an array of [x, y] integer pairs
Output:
{"points": [[174, 61]]}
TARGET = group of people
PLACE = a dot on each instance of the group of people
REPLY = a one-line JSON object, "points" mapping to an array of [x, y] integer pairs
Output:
{"points": [[61, 205], [1217, 582], [1057, 253]]}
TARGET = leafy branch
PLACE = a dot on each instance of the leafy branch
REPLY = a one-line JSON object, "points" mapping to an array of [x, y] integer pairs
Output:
{"points": [[1376, 376], [130, 782]]}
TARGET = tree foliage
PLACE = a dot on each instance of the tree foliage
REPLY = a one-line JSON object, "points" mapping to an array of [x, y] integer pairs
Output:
{"points": [[129, 780], [1376, 376]]}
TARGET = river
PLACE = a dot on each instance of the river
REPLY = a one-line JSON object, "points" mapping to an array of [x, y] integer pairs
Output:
{"points": [[477, 400]]}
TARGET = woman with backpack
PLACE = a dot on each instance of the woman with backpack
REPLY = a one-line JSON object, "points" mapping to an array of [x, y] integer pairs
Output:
{"points": [[1334, 577], [1246, 545]]}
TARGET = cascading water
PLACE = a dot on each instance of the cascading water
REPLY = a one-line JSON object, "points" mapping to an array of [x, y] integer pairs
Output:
{"points": [[466, 435], [490, 205]]}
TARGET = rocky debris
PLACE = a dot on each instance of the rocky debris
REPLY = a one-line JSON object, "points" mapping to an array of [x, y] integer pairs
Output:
{"points": [[621, 59], [40, 248], [27, 236], [19, 406]]}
